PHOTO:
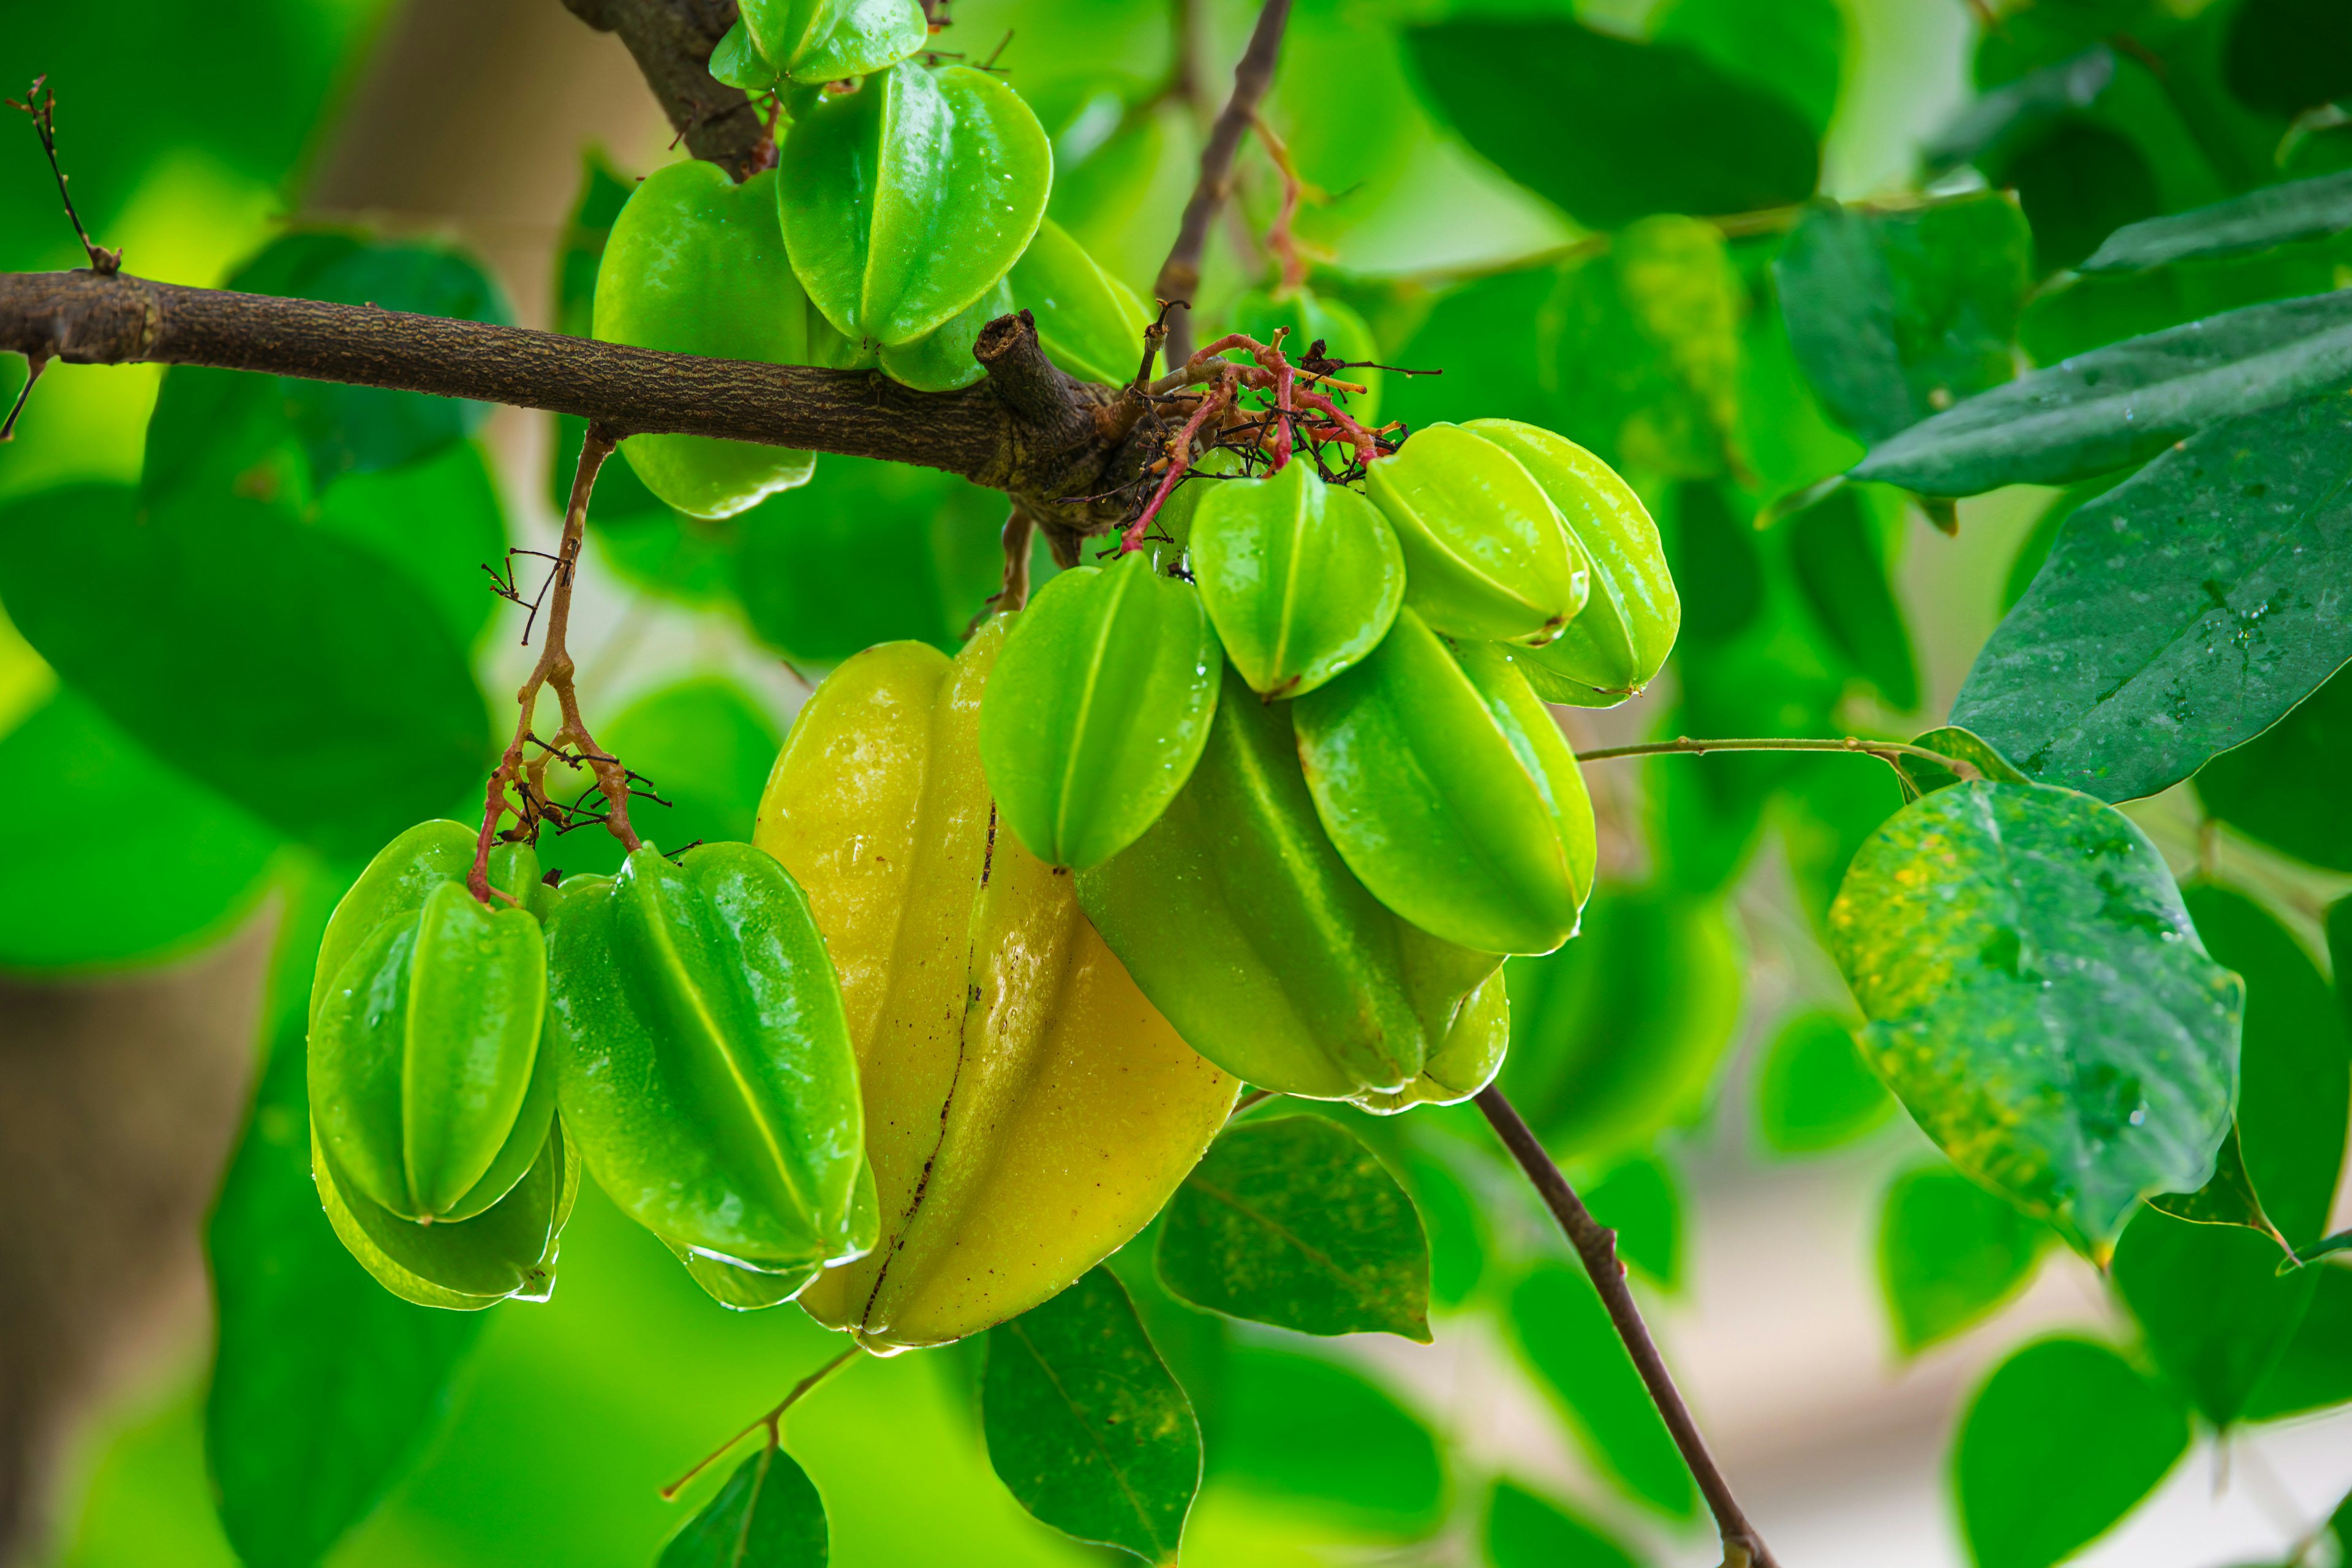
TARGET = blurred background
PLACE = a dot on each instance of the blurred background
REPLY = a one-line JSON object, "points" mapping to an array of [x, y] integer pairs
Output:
{"points": [[1688, 1057]]}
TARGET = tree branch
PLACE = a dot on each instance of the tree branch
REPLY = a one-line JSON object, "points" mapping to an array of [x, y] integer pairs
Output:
{"points": [[671, 41], [1180, 276], [1596, 1247]]}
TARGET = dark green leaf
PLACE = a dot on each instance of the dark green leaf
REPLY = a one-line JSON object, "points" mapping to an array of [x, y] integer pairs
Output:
{"points": [[437, 520], [2036, 549], [1527, 1530], [1926, 777], [1617, 1034], [768, 1515], [2015, 111], [2285, 787], [1950, 1253], [1494, 365], [1565, 1335], [116, 857], [2213, 1308], [1715, 564], [2039, 1001], [1637, 1198], [2060, 1442], [2276, 215], [1836, 555], [1085, 1428], [325, 1383], [2314, 1370], [1815, 1092], [1611, 130], [2077, 181], [281, 664], [705, 745], [1308, 1430], [2228, 1198], [2182, 612], [2287, 56], [2295, 1069], [2089, 312], [1895, 315], [1795, 48], [1293, 1222]]}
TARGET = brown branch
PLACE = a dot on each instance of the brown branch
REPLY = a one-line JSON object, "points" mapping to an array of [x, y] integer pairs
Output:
{"points": [[1596, 1247], [1180, 276], [671, 41], [1885, 751]]}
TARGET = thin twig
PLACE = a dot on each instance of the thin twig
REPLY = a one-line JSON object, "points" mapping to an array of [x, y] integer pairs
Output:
{"points": [[1180, 276], [1885, 751], [800, 1391], [41, 106], [33, 365], [1596, 1247]]}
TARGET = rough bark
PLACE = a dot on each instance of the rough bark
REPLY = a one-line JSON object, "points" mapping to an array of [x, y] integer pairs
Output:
{"points": [[671, 41]]}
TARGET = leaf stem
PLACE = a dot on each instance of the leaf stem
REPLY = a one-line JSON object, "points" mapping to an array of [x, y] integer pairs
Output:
{"points": [[1885, 751], [1596, 1247], [800, 1391]]}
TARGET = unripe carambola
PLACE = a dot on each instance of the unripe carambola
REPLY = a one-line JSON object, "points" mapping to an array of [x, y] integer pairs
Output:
{"points": [[1449, 790], [817, 41], [1486, 555], [1241, 923], [702, 1061], [1027, 1110], [425, 1084], [1621, 639], [695, 265]]}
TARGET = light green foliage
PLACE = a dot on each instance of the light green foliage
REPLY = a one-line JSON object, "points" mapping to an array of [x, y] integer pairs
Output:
{"points": [[1814, 1091], [1089, 322], [1950, 1253], [1314, 1432], [2215, 1312], [704, 744], [766, 1516], [1563, 1332], [1640, 1201], [1527, 1530], [1840, 568]]}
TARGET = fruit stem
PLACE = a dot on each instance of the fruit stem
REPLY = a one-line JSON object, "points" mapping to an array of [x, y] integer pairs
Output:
{"points": [[1885, 751], [1596, 1249], [800, 1390]]}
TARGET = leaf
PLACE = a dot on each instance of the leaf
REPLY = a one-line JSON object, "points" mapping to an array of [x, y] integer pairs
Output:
{"points": [[1306, 1430], [2034, 552], [2118, 405], [1611, 130], [96, 815], [1085, 1427], [619, 493], [1950, 1253], [2077, 181], [1815, 1092], [1637, 1199], [2039, 1001], [1926, 777], [1294, 1222], [1618, 1034], [2314, 1371], [2285, 787], [2227, 1198], [1527, 1530], [1455, 1222], [705, 745], [1794, 49], [1567, 1339], [1494, 367], [281, 664], [2214, 1309], [768, 1515], [324, 1384], [2179, 615], [2085, 312], [2059, 1443], [1839, 569], [2284, 56], [2013, 111], [2275, 215], [437, 520]]}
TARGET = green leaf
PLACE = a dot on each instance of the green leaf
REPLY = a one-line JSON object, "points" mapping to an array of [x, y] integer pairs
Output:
{"points": [[768, 1515], [1815, 1092], [2118, 405], [437, 520], [1617, 1034], [2276, 215], [2314, 1369], [2081, 313], [1638, 1199], [2015, 111], [2034, 552], [2059, 1443], [2214, 1309], [1795, 49], [1524, 1529], [1455, 1222], [1611, 130], [1294, 1222], [324, 1384], [1085, 1428], [281, 664], [96, 817], [1303, 1429], [1566, 1336], [2039, 1001], [2077, 181], [1495, 367], [2285, 787], [1842, 573], [2181, 614], [2285, 56], [1950, 1253], [2227, 1198], [1895, 315], [620, 494], [1926, 777]]}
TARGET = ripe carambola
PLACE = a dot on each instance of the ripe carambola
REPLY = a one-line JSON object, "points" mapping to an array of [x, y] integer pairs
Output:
{"points": [[695, 265], [427, 1089], [1027, 1109], [1486, 554], [1449, 790], [702, 1061], [1241, 923]]}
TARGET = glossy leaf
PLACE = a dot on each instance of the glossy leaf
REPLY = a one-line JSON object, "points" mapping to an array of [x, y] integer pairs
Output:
{"points": [[1895, 315], [1950, 1253], [2059, 1443], [816, 41], [768, 1515], [1564, 1333], [1311, 1433], [2043, 1010], [1923, 777], [2228, 1197], [2283, 787], [2275, 215], [1294, 1222], [2121, 404], [904, 201], [2180, 613], [941, 359], [2214, 1309], [1815, 1092], [1088, 323], [1524, 1529], [1835, 548], [1611, 130], [1084, 1425]]}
